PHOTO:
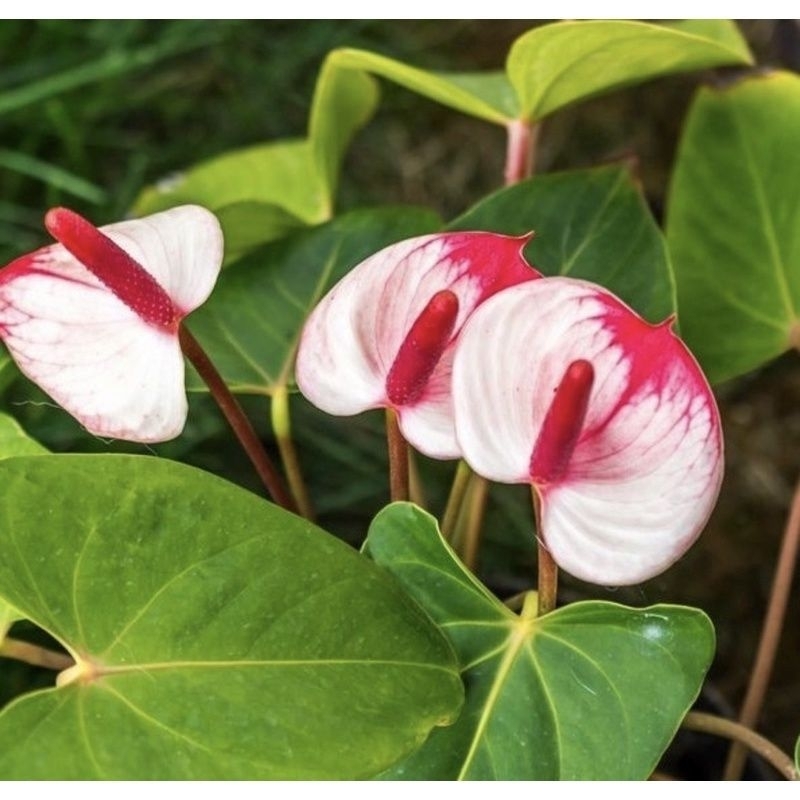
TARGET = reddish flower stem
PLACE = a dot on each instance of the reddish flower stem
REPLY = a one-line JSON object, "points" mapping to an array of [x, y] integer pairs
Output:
{"points": [[398, 458], [770, 635], [744, 737], [35, 655], [233, 412], [547, 583], [520, 150]]}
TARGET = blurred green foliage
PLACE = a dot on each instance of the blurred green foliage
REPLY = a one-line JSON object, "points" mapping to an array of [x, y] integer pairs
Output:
{"points": [[91, 111]]}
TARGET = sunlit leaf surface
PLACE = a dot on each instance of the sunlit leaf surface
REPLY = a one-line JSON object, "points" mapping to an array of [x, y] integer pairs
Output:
{"points": [[555, 65], [733, 224], [217, 636], [593, 691]]}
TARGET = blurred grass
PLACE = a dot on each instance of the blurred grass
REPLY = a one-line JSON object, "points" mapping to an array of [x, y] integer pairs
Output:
{"points": [[92, 111]]}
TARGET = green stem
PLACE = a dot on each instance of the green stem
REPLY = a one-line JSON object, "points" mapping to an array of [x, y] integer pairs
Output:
{"points": [[233, 412], [516, 602], [770, 635], [282, 428], [35, 655], [455, 500], [547, 585], [416, 488], [476, 510], [398, 458], [728, 729]]}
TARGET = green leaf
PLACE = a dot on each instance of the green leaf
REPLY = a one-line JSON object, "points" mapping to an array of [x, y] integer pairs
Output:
{"points": [[216, 636], [592, 224], [263, 192], [278, 173], [247, 225], [7, 617], [592, 691], [251, 324], [733, 224], [487, 95], [8, 369], [14, 441], [344, 101], [555, 65]]}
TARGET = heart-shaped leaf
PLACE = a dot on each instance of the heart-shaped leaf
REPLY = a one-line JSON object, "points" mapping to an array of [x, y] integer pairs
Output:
{"points": [[251, 324], [593, 691], [592, 224], [556, 65], [216, 636], [733, 224]]}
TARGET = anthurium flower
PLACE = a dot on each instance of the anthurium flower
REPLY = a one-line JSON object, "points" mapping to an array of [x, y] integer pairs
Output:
{"points": [[560, 385], [385, 335], [93, 320]]}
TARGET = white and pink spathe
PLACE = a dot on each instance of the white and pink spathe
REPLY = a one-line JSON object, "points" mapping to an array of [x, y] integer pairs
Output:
{"points": [[94, 319], [627, 491], [385, 335]]}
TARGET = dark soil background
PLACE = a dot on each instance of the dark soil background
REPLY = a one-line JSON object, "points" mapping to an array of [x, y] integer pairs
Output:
{"points": [[216, 86]]}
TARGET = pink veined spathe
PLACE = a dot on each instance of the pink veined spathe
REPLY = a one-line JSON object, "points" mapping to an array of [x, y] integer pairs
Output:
{"points": [[94, 320], [625, 453], [385, 335]]}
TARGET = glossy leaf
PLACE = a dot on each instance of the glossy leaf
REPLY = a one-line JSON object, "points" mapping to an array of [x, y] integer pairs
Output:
{"points": [[252, 323], [7, 617], [258, 193], [555, 65], [344, 100], [247, 225], [216, 635], [593, 691], [8, 369], [487, 95], [278, 173], [734, 224], [592, 224], [14, 441]]}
